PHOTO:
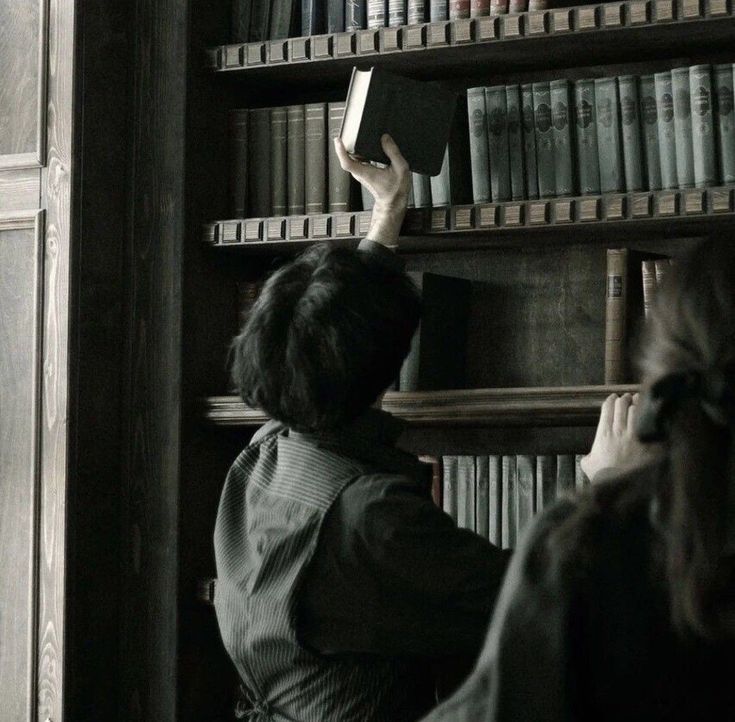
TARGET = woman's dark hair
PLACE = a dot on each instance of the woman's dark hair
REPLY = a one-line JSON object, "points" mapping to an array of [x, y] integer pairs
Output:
{"points": [[691, 335], [325, 338]]}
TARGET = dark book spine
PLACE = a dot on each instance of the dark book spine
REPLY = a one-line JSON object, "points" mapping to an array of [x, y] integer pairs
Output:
{"points": [[529, 141], [436, 478], [562, 132], [545, 481], [515, 142], [459, 9], [438, 10], [335, 16], [466, 492], [648, 273], [376, 13], [608, 135], [259, 176], [312, 17], [450, 466], [416, 12], [588, 166], [631, 133], [479, 8], [508, 534], [478, 145], [683, 128], [725, 120], [239, 162], [315, 157], [498, 7], [615, 315], [339, 179], [703, 130], [666, 130], [544, 140], [495, 490], [564, 474], [649, 131], [396, 13], [421, 190], [497, 142], [525, 491], [482, 496], [295, 173], [241, 10], [279, 161], [259, 20], [281, 20], [355, 15]]}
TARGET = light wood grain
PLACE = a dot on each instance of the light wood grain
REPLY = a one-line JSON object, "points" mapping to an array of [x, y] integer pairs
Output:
{"points": [[20, 189]]}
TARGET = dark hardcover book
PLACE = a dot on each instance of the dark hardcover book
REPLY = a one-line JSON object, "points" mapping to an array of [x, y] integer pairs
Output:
{"points": [[580, 478], [397, 10], [259, 21], [466, 492], [436, 478], [416, 12], [453, 185], [315, 166], [496, 107], [295, 175], [648, 273], [450, 466], [279, 161], [355, 14], [421, 190], [725, 120], [417, 115], [529, 141], [666, 130], [703, 129], [544, 140], [259, 170], [683, 127], [565, 474], [339, 179], [545, 481], [377, 13], [649, 132], [478, 145], [482, 496], [610, 153], [282, 18], [631, 132], [508, 493], [438, 10], [312, 17], [562, 134], [495, 490], [335, 16], [239, 162], [515, 142], [525, 491], [588, 166], [241, 10], [459, 9]]}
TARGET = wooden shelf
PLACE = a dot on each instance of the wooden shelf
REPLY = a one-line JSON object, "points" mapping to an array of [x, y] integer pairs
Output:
{"points": [[602, 33], [576, 219], [557, 406]]}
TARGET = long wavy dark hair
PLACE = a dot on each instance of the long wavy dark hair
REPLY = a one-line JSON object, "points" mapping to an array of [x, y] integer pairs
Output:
{"points": [[691, 332]]}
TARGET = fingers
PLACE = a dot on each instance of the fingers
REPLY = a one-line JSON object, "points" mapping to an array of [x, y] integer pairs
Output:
{"points": [[632, 414], [399, 163], [345, 160], [607, 413], [620, 417]]}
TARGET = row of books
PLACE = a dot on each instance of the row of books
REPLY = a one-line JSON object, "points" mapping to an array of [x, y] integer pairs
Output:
{"points": [[497, 496], [674, 129], [259, 20]]}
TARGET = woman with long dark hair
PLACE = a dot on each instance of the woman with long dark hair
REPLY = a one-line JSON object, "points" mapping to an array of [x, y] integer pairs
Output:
{"points": [[620, 603]]}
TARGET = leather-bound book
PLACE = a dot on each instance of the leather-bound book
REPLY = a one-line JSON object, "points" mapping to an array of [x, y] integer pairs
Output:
{"points": [[282, 19], [377, 13], [279, 161], [295, 146], [649, 132], [724, 75], [588, 166], [260, 20], [335, 16], [241, 10], [631, 132], [666, 129], [478, 145], [479, 8], [315, 160], [339, 180], [703, 131], [683, 127], [396, 13], [416, 12], [312, 17], [259, 169], [355, 15], [561, 119], [238, 122], [459, 9]]}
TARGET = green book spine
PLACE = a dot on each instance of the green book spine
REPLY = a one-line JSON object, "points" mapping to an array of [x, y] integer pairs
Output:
{"points": [[279, 161], [666, 130], [508, 533], [482, 496], [515, 142], [497, 141], [495, 490], [565, 474], [703, 130], [466, 492], [450, 470], [440, 190], [563, 160], [545, 481], [296, 184], [259, 172], [725, 120], [588, 166], [315, 157], [544, 140], [525, 491], [529, 141], [649, 131], [683, 128], [631, 132], [339, 180], [239, 161], [608, 136], [421, 190], [478, 145]]}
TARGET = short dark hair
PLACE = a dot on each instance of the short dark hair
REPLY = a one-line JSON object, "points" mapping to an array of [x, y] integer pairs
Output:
{"points": [[326, 336]]}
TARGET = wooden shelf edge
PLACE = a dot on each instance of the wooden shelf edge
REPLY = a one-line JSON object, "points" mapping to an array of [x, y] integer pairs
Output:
{"points": [[543, 406]]}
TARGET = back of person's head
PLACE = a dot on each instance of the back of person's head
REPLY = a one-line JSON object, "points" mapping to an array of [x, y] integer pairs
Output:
{"points": [[325, 338], [688, 365]]}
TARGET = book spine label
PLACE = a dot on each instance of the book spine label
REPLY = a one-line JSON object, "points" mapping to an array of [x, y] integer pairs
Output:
{"points": [[515, 143], [498, 7], [648, 272], [608, 135], [683, 127], [396, 13], [509, 518], [440, 190], [339, 179], [438, 10], [703, 130], [615, 313], [376, 13], [725, 120], [495, 506], [497, 142], [544, 140], [279, 161], [459, 9], [335, 16], [281, 18], [421, 190], [416, 12], [562, 132], [588, 167], [482, 497], [529, 141], [315, 157], [649, 130], [355, 15], [259, 176], [241, 10], [295, 173], [479, 8], [478, 145], [666, 130], [631, 133], [239, 161]]}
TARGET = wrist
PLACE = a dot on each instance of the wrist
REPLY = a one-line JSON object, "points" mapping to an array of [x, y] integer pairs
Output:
{"points": [[385, 224]]}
